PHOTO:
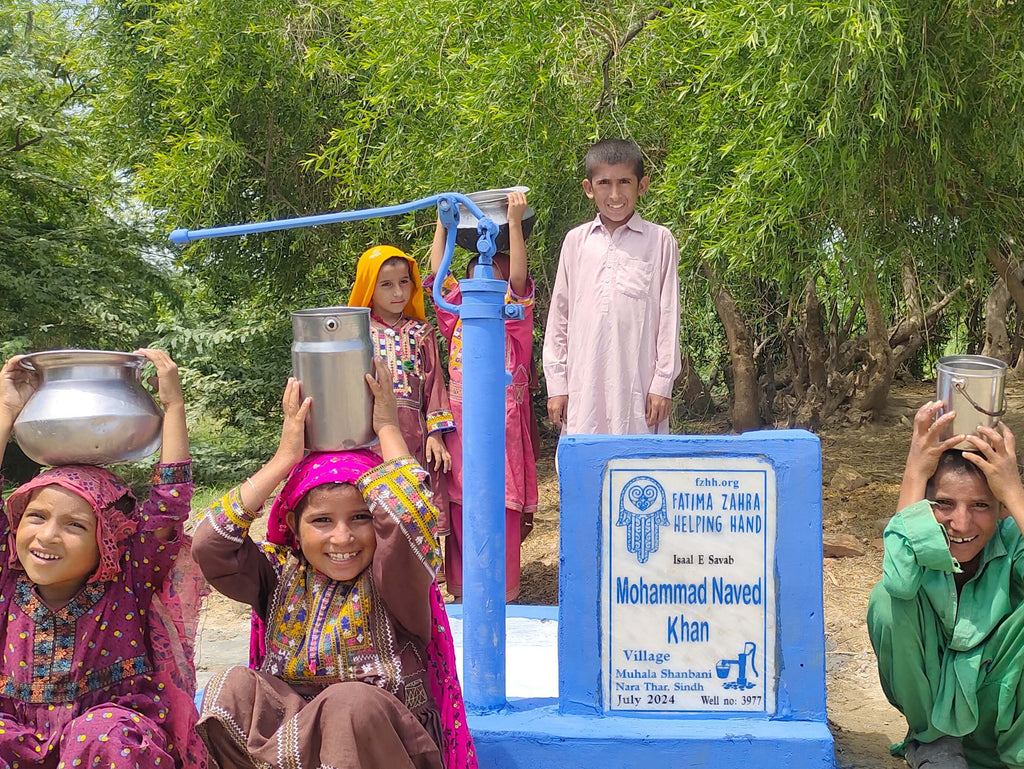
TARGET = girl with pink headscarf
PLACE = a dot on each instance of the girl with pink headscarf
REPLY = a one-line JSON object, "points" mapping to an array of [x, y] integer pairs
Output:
{"points": [[356, 667], [97, 610]]}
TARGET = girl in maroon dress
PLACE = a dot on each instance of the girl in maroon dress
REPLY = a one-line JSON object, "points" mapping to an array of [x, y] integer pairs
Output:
{"points": [[98, 607], [388, 282], [522, 439]]}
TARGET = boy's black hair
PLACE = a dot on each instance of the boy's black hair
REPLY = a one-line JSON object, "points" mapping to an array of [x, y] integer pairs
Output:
{"points": [[952, 461], [611, 152]]}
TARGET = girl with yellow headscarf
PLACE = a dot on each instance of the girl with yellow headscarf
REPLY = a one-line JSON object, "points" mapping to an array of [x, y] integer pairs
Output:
{"points": [[388, 282]]}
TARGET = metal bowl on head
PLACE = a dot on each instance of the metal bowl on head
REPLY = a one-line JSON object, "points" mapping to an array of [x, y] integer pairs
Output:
{"points": [[494, 204], [90, 408]]}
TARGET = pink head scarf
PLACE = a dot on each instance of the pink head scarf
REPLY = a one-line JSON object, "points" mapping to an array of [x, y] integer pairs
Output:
{"points": [[109, 497], [317, 469], [347, 467], [173, 617]]}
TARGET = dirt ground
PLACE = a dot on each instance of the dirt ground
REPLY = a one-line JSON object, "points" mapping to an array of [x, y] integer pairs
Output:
{"points": [[872, 453]]}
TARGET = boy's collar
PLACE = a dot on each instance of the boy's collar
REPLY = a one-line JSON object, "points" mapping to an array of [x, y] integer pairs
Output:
{"points": [[635, 223]]}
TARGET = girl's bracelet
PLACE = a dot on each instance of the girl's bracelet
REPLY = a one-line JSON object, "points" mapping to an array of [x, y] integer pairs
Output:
{"points": [[259, 507]]}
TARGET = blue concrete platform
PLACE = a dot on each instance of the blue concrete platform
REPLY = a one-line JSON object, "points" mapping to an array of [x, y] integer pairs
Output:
{"points": [[534, 735], [573, 730]]}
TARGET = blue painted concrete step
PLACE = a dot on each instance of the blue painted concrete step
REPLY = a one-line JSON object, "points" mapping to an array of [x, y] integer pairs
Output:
{"points": [[534, 735]]}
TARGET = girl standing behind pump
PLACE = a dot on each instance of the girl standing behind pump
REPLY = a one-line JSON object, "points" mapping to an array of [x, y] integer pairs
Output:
{"points": [[521, 436]]}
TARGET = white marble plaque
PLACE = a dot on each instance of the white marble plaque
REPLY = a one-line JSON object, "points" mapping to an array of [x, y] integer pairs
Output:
{"points": [[688, 585]]}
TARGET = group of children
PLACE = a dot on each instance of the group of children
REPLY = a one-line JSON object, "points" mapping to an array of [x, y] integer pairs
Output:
{"points": [[354, 666], [611, 347], [100, 597]]}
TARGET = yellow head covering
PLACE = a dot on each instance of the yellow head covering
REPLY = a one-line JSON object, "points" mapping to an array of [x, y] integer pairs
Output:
{"points": [[366, 280]]}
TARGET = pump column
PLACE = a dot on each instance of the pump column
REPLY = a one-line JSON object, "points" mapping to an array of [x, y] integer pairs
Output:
{"points": [[483, 489]]}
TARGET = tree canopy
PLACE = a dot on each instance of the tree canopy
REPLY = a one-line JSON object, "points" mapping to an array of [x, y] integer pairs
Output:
{"points": [[76, 266], [843, 175]]}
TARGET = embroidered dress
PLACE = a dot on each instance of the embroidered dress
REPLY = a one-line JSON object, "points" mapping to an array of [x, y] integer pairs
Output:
{"points": [[410, 349], [952, 665], [346, 676], [521, 441], [82, 685], [612, 332]]}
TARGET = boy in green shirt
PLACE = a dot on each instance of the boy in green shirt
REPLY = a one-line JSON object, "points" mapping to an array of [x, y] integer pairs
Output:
{"points": [[947, 619]]}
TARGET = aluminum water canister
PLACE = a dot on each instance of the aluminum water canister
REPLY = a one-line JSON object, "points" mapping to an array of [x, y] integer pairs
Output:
{"points": [[971, 385], [331, 353]]}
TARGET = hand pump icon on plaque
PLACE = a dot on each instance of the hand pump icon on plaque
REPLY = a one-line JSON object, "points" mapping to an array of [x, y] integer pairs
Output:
{"points": [[722, 668], [643, 508]]}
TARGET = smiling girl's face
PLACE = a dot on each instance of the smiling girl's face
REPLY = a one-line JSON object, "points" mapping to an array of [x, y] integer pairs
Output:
{"points": [[56, 543], [335, 531]]}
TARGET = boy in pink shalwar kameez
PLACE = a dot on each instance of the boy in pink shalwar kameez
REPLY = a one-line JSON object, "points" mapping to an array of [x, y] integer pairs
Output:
{"points": [[521, 437], [611, 347]]}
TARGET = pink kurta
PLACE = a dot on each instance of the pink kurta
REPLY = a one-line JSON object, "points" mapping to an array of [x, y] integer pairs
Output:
{"points": [[520, 454], [612, 332], [520, 458]]}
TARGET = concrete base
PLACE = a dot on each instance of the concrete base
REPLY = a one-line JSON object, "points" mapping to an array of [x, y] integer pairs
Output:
{"points": [[531, 734]]}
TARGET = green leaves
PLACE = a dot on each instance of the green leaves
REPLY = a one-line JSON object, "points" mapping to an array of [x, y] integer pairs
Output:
{"points": [[73, 270], [814, 139]]}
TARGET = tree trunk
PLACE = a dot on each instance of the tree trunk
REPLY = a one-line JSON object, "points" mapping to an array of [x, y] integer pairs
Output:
{"points": [[767, 386], [741, 354], [693, 393], [997, 341], [873, 389], [814, 335], [1004, 270], [918, 326], [912, 328]]}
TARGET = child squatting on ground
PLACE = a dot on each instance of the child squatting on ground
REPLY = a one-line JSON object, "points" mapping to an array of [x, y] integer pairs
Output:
{"points": [[359, 668], [611, 346], [522, 440], [947, 619], [98, 606]]}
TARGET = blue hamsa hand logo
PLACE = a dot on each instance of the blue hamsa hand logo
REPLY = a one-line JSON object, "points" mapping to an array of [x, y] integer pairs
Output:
{"points": [[643, 508]]}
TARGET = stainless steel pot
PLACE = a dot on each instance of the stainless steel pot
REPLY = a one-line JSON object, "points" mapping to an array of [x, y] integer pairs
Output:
{"points": [[971, 385], [494, 204], [90, 408], [331, 352]]}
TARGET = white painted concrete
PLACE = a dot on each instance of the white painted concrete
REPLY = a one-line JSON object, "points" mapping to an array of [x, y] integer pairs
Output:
{"points": [[531, 655]]}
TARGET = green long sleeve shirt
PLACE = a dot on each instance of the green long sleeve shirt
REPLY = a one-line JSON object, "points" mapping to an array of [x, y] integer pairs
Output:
{"points": [[917, 559]]}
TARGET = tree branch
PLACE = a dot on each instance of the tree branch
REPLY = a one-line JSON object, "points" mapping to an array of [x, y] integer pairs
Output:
{"points": [[21, 145], [995, 257], [616, 46]]}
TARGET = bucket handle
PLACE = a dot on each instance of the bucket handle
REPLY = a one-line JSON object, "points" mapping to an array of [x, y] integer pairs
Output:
{"points": [[958, 385]]}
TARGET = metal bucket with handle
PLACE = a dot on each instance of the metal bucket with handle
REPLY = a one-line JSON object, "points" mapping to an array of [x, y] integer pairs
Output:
{"points": [[971, 385]]}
